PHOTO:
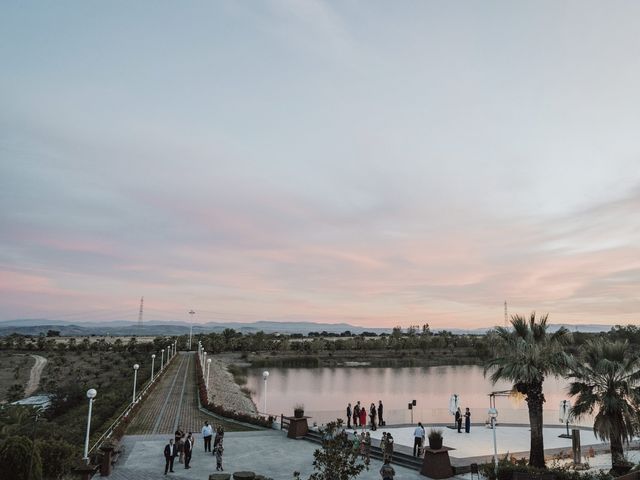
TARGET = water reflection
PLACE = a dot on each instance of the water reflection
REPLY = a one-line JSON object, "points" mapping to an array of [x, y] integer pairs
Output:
{"points": [[325, 392]]}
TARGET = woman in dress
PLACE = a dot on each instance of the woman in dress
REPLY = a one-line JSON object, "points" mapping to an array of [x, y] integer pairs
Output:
{"points": [[363, 418], [467, 420]]}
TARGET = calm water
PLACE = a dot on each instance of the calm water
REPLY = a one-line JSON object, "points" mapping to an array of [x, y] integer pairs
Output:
{"points": [[325, 392]]}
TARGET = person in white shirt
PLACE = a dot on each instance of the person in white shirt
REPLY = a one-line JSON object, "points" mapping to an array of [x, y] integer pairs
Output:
{"points": [[207, 433], [418, 439]]}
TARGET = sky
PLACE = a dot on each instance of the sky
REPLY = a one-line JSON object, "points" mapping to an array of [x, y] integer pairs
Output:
{"points": [[371, 162]]}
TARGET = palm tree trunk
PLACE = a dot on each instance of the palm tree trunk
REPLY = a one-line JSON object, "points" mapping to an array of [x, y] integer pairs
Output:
{"points": [[617, 452], [535, 399]]}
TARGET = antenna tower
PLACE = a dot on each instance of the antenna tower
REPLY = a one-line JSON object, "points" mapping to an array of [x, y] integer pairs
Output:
{"points": [[140, 312], [506, 317]]}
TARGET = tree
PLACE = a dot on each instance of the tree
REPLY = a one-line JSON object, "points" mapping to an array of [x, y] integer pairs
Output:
{"points": [[57, 457], [15, 392], [18, 457], [525, 355], [607, 379], [338, 459]]}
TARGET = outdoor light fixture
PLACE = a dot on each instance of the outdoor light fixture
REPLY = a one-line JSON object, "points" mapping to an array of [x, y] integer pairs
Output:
{"points": [[493, 415], [91, 394], [135, 379], [265, 375]]}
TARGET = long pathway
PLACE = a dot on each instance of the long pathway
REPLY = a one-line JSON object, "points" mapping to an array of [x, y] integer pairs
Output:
{"points": [[174, 403]]}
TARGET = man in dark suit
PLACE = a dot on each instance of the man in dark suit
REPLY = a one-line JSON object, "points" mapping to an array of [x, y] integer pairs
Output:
{"points": [[170, 453], [188, 450]]}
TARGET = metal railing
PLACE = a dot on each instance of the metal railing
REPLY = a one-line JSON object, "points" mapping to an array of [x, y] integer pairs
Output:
{"points": [[125, 413]]}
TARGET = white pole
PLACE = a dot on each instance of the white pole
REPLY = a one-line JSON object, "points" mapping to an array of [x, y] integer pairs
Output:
{"points": [[208, 372], [91, 393], [162, 359], [153, 361], [167, 355], [204, 361], [265, 375], [135, 380]]}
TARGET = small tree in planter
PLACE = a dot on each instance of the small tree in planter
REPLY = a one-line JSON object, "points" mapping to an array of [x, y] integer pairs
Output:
{"points": [[435, 438], [338, 459], [298, 410]]}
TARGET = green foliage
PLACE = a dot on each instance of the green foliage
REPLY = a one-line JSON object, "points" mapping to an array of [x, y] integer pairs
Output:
{"points": [[338, 459], [19, 460], [15, 392], [525, 355], [606, 378], [507, 467], [57, 457]]}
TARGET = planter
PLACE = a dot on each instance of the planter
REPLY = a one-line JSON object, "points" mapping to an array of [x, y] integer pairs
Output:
{"points": [[298, 413], [244, 476], [220, 476], [298, 427], [435, 443], [621, 469]]}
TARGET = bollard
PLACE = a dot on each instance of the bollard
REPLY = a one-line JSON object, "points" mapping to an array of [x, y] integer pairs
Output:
{"points": [[575, 444]]}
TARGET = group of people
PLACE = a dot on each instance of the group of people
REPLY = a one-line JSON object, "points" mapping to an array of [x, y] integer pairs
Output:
{"points": [[181, 446], [467, 420], [362, 444], [359, 415]]}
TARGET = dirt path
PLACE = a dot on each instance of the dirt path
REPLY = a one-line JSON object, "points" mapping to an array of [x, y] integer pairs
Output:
{"points": [[34, 376]]}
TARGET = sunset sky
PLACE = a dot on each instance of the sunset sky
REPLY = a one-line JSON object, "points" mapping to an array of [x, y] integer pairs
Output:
{"points": [[370, 162]]}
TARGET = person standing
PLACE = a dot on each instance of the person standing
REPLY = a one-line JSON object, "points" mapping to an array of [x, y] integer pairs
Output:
{"points": [[373, 416], [363, 418], [418, 439], [218, 450], [207, 433], [188, 450], [367, 448], [459, 420], [349, 416], [389, 447], [387, 472], [356, 414], [380, 419], [467, 420], [219, 436], [170, 453]]}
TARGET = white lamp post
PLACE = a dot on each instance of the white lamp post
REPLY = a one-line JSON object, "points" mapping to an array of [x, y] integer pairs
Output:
{"points": [[204, 361], [153, 361], [135, 380], [493, 415], [161, 359], [208, 372], [91, 394], [191, 314], [167, 355], [265, 375]]}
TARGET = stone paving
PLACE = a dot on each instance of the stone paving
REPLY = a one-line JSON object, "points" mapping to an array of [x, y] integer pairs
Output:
{"points": [[267, 452], [174, 403]]}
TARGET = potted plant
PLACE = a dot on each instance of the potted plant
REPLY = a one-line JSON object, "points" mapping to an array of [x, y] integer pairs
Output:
{"points": [[298, 410], [435, 439]]}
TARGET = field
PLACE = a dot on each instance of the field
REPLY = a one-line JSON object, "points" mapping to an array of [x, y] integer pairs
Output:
{"points": [[14, 369]]}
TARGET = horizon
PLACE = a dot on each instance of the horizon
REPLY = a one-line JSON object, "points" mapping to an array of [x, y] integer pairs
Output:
{"points": [[321, 161]]}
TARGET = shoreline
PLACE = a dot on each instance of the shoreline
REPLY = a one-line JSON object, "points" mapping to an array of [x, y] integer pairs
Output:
{"points": [[225, 391]]}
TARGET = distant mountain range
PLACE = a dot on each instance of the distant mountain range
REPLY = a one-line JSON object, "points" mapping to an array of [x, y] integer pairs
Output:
{"points": [[33, 326]]}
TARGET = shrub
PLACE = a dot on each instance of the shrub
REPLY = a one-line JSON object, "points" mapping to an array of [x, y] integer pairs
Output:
{"points": [[57, 457], [18, 457]]}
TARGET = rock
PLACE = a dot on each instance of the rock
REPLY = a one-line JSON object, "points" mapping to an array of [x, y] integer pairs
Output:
{"points": [[244, 476], [220, 476]]}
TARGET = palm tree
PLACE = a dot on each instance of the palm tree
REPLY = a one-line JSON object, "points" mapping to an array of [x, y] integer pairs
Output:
{"points": [[525, 355], [607, 379]]}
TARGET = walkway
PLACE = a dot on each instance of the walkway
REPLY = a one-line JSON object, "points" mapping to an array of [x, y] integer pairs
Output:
{"points": [[174, 403], [34, 375]]}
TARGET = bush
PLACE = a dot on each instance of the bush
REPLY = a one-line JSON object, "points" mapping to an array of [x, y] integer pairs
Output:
{"points": [[18, 458], [57, 457], [507, 467]]}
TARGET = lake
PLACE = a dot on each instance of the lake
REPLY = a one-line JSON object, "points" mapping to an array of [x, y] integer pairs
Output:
{"points": [[325, 392]]}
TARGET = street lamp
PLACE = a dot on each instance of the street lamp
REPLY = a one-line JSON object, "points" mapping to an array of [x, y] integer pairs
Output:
{"points": [[167, 355], [91, 394], [153, 361], [204, 361], [493, 415], [161, 359], [265, 375], [191, 313], [208, 372], [135, 380]]}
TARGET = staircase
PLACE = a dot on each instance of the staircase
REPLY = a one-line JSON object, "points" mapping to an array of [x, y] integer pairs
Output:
{"points": [[399, 458]]}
